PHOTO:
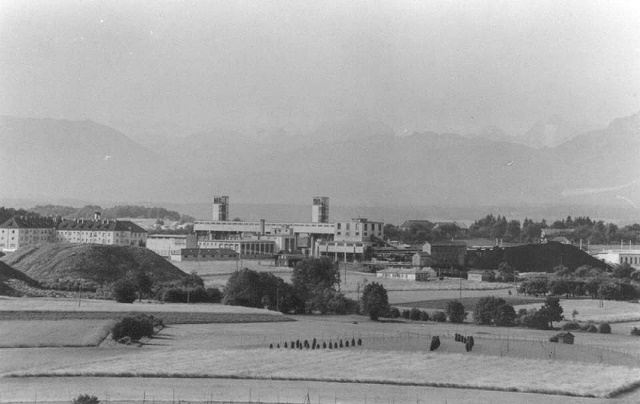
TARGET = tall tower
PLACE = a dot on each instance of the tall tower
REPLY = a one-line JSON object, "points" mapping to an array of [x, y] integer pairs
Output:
{"points": [[221, 208], [320, 209]]}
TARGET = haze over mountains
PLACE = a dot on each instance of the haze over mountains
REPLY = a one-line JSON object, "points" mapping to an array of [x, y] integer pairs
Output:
{"points": [[354, 161]]}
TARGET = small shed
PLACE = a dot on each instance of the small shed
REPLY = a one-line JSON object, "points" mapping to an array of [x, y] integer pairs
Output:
{"points": [[479, 276], [564, 337]]}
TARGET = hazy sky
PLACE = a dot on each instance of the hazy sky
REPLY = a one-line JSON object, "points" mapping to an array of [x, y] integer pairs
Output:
{"points": [[421, 65]]}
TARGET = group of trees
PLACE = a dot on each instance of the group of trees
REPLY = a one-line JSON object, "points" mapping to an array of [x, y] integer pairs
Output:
{"points": [[139, 285], [528, 231], [313, 288], [620, 284], [133, 211]]}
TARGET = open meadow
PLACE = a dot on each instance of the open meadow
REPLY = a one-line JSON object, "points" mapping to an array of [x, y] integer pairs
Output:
{"points": [[597, 310]]}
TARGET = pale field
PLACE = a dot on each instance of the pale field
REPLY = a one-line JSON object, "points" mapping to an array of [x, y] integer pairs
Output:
{"points": [[79, 333], [71, 305], [590, 310], [201, 348], [155, 390], [362, 366]]}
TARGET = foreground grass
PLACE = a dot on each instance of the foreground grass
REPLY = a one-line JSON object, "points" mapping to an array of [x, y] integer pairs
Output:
{"points": [[362, 366]]}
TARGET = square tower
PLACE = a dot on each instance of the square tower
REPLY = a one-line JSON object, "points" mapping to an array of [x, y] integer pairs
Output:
{"points": [[320, 209], [221, 208]]}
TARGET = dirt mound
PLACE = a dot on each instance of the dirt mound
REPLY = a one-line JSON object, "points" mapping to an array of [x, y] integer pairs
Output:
{"points": [[98, 263], [7, 273]]}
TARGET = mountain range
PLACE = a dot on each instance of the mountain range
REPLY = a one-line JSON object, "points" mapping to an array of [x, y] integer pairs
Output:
{"points": [[355, 162]]}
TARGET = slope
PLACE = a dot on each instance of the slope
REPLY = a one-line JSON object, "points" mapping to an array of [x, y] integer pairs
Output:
{"points": [[7, 273], [98, 263]]}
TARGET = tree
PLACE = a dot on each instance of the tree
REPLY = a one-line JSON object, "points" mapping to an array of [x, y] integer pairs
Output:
{"points": [[124, 291], [375, 301], [483, 312], [143, 283], [623, 271], [455, 311], [243, 289], [493, 310], [311, 278], [552, 310], [504, 315]]}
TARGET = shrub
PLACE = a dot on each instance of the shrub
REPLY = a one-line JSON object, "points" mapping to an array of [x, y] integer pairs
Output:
{"points": [[414, 314], [394, 312], [124, 291], [86, 399], [424, 316], [406, 314], [135, 327], [572, 325], [635, 331], [604, 328], [440, 317]]}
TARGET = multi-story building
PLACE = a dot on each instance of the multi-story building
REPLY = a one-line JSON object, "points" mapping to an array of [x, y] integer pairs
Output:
{"points": [[220, 209], [164, 244], [617, 257], [342, 240], [20, 232], [320, 210], [97, 231], [24, 231], [446, 253]]}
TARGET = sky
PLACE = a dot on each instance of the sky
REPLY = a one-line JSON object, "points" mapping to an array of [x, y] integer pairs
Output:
{"points": [[415, 65]]}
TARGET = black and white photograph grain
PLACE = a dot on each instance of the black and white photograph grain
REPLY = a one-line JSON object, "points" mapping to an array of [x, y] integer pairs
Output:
{"points": [[319, 202]]}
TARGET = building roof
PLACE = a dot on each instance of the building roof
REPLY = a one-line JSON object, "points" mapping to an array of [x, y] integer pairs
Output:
{"points": [[409, 223], [100, 225], [447, 243], [411, 270], [167, 236], [28, 222]]}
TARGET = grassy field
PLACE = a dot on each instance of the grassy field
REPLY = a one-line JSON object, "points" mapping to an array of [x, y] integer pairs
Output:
{"points": [[63, 333], [39, 309], [597, 310], [363, 366], [170, 391]]}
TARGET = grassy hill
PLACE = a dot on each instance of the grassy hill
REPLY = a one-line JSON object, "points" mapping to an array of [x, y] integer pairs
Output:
{"points": [[6, 273], [98, 263]]}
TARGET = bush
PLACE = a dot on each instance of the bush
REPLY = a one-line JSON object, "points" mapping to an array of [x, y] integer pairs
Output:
{"points": [[124, 291], [440, 317], [635, 331], [135, 327], [394, 312], [406, 314], [424, 316], [86, 399], [414, 314], [604, 328], [572, 325]]}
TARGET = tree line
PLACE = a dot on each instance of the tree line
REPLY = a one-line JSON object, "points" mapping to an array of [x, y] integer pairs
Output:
{"points": [[527, 231], [119, 211]]}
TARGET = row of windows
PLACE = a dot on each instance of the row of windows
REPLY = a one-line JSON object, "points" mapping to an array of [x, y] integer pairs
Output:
{"points": [[630, 260]]}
